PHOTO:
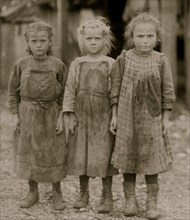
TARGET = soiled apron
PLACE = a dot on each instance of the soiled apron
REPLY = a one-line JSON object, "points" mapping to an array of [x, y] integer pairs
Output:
{"points": [[90, 151], [40, 154]]}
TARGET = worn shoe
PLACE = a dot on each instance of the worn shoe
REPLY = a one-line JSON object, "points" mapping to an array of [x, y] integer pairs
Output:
{"points": [[83, 198], [151, 203], [58, 203], [131, 206], [33, 196], [106, 202]]}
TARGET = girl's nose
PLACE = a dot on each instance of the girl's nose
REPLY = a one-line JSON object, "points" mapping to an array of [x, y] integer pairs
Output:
{"points": [[145, 40], [38, 44], [93, 41]]}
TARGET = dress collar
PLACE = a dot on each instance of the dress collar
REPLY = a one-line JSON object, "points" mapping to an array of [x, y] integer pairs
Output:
{"points": [[143, 54]]}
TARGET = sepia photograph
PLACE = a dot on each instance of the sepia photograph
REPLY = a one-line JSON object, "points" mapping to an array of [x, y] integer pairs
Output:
{"points": [[94, 109]]}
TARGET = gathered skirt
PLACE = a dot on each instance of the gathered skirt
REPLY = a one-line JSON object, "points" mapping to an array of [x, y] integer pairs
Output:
{"points": [[39, 153]]}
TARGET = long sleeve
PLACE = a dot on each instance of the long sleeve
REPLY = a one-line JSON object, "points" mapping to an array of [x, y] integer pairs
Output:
{"points": [[61, 78], [70, 89], [168, 95], [116, 78], [14, 89]]}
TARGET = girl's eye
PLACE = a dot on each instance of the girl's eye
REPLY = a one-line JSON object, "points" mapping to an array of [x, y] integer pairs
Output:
{"points": [[33, 41]]}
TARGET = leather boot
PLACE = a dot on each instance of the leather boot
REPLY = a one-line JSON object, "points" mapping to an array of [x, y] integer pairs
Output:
{"points": [[83, 198], [33, 195], [151, 203], [131, 206], [106, 202], [58, 203]]}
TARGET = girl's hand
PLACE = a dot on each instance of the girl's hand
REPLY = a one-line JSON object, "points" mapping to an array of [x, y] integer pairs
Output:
{"points": [[165, 121], [113, 125], [72, 124], [165, 125], [59, 128], [15, 122]]}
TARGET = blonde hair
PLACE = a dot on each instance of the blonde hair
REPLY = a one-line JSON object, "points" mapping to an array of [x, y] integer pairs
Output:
{"points": [[35, 27], [98, 23], [142, 18]]}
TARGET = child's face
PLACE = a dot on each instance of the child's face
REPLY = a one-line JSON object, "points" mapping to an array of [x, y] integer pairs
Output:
{"points": [[39, 43], [93, 41], [144, 37]]}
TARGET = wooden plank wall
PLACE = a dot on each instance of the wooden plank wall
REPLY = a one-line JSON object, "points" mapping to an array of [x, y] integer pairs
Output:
{"points": [[187, 49]]}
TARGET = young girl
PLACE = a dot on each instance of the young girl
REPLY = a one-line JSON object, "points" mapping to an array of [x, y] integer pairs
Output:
{"points": [[36, 88], [142, 97], [87, 103]]}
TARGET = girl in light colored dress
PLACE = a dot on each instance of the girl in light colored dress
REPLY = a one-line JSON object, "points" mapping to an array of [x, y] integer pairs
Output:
{"points": [[36, 87], [87, 104], [142, 97]]}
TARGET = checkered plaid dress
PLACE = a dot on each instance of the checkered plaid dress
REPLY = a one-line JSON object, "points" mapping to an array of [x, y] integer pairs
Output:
{"points": [[140, 146]]}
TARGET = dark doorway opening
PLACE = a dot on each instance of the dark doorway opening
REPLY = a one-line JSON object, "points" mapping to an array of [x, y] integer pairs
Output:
{"points": [[114, 13]]}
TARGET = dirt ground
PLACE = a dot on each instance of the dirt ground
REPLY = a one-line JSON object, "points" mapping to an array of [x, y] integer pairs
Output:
{"points": [[174, 196]]}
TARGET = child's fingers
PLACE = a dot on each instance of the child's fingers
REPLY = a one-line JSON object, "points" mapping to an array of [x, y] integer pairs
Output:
{"points": [[165, 130], [15, 123], [72, 130], [113, 125], [75, 132], [112, 131], [59, 129], [17, 126], [113, 128]]}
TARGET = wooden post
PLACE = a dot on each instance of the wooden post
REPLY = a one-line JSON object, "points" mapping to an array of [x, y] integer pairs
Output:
{"points": [[187, 49], [62, 17], [68, 45], [0, 51], [169, 43]]}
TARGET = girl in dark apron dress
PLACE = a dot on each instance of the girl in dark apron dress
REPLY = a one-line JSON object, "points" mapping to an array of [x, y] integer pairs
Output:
{"points": [[36, 89]]}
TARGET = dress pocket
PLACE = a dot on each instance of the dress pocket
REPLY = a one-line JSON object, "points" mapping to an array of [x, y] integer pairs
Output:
{"points": [[145, 149]]}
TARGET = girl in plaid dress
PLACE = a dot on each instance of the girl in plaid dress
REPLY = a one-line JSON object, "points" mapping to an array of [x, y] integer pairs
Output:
{"points": [[142, 97], [36, 87], [87, 104]]}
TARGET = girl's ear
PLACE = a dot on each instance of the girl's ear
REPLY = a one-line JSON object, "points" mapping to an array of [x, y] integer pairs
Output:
{"points": [[158, 40], [50, 43], [132, 42], [28, 49]]}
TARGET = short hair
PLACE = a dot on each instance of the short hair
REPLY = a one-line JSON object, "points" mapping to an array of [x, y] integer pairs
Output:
{"points": [[142, 18], [101, 24], [35, 27]]}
